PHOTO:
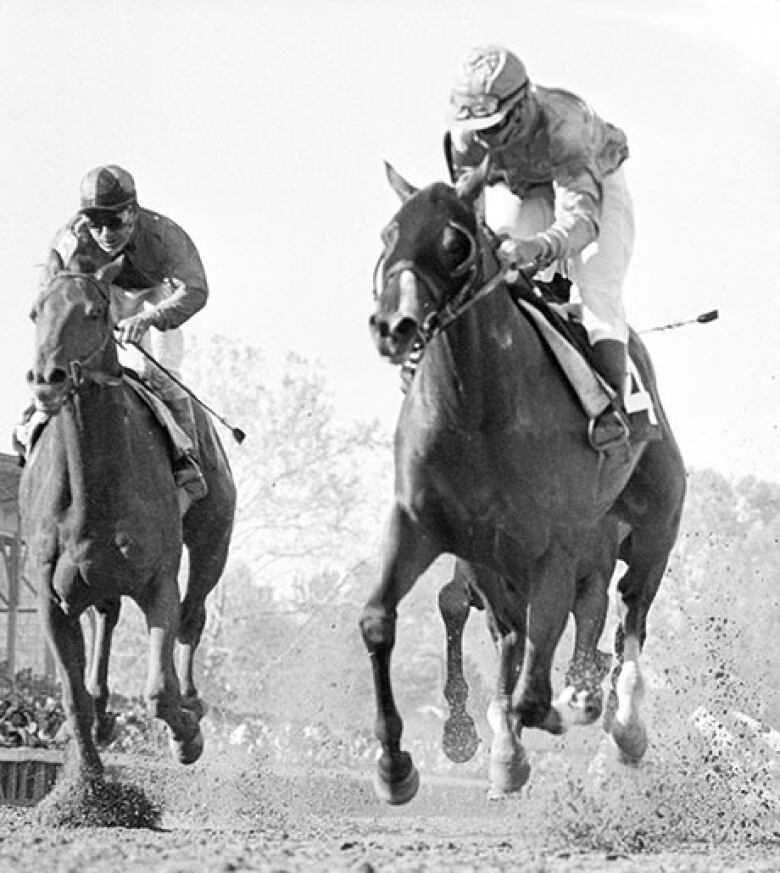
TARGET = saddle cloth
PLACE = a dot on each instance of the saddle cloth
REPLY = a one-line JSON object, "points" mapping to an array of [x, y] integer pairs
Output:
{"points": [[591, 390]]}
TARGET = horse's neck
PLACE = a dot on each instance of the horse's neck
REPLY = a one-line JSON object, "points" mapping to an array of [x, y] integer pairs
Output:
{"points": [[97, 448], [481, 363]]}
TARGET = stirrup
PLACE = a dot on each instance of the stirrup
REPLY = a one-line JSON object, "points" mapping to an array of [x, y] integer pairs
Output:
{"points": [[608, 441]]}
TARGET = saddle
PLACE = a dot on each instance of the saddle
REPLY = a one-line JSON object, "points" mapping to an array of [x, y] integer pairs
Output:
{"points": [[557, 320]]}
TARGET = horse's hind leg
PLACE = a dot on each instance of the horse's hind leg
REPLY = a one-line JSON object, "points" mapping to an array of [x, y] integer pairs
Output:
{"points": [[407, 553], [652, 505], [551, 599], [207, 548], [580, 703], [161, 608], [102, 622], [459, 737], [581, 700]]}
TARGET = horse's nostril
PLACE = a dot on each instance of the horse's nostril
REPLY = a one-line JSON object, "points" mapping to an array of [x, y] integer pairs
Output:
{"points": [[56, 376], [405, 327]]}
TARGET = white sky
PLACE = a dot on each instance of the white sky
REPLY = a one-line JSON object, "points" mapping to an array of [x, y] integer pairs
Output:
{"points": [[261, 127]]}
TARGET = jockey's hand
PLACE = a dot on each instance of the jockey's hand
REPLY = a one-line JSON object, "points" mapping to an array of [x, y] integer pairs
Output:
{"points": [[524, 255], [133, 329]]}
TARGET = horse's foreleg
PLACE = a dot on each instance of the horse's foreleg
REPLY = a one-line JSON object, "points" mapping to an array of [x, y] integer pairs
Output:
{"points": [[163, 699], [66, 642], [509, 768], [459, 737], [407, 553], [102, 624]]}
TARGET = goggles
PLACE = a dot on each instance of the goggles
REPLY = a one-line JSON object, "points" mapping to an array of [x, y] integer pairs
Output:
{"points": [[483, 107], [112, 221]]}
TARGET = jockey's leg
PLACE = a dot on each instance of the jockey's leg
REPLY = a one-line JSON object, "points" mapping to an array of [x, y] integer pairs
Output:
{"points": [[599, 272], [609, 356], [186, 466]]}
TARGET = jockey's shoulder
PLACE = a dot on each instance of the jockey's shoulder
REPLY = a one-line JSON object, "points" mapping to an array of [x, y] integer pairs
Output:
{"points": [[159, 226], [578, 134], [564, 110]]}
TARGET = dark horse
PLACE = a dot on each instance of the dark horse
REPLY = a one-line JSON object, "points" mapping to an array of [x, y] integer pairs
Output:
{"points": [[101, 519], [493, 465]]}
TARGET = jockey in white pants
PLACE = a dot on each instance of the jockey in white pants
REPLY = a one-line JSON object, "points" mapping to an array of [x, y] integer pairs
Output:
{"points": [[556, 195]]}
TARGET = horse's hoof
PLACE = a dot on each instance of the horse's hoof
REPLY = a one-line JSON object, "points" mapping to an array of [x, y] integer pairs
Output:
{"points": [[508, 777], [187, 751], [631, 741], [459, 738], [397, 791]]}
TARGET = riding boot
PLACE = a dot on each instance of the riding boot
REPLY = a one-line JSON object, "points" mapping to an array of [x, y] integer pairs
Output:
{"points": [[611, 428], [187, 470]]}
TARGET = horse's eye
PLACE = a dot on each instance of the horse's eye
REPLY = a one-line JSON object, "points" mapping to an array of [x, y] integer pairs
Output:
{"points": [[456, 247]]}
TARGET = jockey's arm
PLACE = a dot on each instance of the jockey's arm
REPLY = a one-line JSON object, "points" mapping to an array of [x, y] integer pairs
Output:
{"points": [[185, 281], [577, 218]]}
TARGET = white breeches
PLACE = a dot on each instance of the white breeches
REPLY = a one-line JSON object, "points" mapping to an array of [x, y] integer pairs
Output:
{"points": [[166, 346], [599, 270]]}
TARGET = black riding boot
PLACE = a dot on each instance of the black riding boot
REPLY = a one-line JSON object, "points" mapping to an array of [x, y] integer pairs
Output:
{"points": [[611, 428]]}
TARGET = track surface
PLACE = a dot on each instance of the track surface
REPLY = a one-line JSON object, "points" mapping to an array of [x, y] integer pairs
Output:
{"points": [[241, 814]]}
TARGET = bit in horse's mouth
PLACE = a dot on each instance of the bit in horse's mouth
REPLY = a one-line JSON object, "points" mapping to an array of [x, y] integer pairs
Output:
{"points": [[49, 406]]}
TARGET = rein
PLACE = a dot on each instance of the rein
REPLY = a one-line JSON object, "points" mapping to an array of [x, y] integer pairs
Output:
{"points": [[78, 368], [467, 295]]}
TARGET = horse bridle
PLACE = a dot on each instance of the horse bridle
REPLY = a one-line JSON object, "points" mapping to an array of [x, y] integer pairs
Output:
{"points": [[78, 368], [446, 313]]}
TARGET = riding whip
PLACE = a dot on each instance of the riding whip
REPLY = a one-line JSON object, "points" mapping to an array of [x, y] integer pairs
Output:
{"points": [[238, 435], [704, 318]]}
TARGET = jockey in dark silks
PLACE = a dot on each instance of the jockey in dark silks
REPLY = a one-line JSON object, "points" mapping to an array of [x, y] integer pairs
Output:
{"points": [[557, 194], [158, 283]]}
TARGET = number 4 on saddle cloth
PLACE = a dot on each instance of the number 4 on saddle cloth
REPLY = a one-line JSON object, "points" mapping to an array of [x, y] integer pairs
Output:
{"points": [[557, 319]]}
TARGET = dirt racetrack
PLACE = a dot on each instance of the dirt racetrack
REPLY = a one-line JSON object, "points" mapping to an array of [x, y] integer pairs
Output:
{"points": [[234, 812]]}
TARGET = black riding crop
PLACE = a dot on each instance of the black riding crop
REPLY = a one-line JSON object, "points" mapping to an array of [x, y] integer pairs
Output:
{"points": [[238, 435], [704, 318]]}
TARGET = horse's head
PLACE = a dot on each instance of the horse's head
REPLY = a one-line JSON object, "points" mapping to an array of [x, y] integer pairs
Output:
{"points": [[431, 255], [73, 337]]}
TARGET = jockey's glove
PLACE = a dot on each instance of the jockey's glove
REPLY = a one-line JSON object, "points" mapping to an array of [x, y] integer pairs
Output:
{"points": [[133, 329], [527, 255]]}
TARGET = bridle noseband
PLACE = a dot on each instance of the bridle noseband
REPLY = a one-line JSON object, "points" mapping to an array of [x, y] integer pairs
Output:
{"points": [[470, 292], [79, 369]]}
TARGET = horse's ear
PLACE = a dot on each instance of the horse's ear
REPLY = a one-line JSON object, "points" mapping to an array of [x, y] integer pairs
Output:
{"points": [[470, 185], [401, 187], [110, 271]]}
